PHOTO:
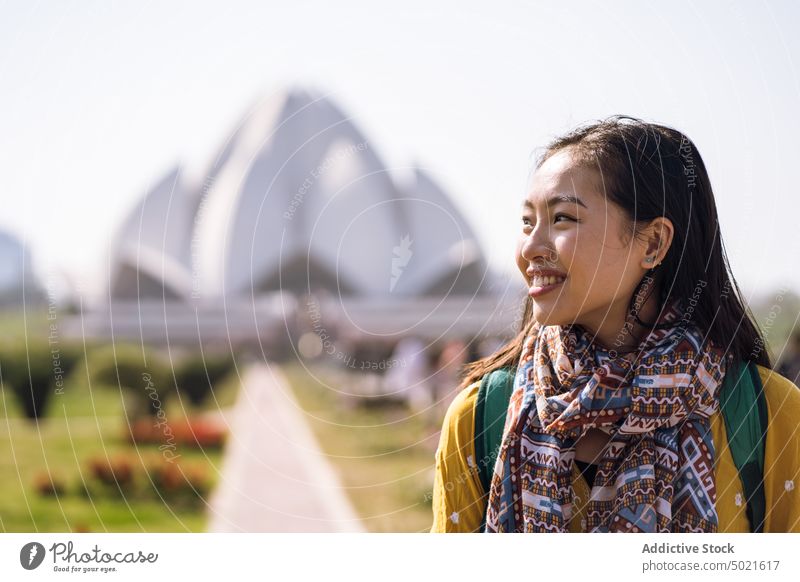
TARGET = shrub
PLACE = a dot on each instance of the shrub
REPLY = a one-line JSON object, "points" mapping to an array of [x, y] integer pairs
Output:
{"points": [[31, 372], [150, 477], [189, 432], [47, 484], [173, 481], [116, 471], [196, 375], [141, 373], [69, 355], [200, 433]]}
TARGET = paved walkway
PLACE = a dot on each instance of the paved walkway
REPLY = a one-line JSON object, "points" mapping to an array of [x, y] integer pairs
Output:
{"points": [[274, 476]]}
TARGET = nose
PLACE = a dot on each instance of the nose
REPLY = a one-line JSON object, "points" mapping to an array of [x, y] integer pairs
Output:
{"points": [[537, 246]]}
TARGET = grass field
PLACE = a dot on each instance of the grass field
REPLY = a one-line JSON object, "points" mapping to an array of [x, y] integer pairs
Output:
{"points": [[385, 457], [59, 447], [79, 424]]}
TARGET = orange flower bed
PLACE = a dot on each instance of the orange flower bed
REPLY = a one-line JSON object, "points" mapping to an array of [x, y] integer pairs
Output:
{"points": [[116, 470], [47, 484], [188, 432]]}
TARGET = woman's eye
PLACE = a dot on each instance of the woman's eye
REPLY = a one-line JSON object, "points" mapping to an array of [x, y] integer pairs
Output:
{"points": [[527, 223]]}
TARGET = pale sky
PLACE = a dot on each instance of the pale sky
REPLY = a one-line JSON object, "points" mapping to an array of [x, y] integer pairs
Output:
{"points": [[99, 98]]}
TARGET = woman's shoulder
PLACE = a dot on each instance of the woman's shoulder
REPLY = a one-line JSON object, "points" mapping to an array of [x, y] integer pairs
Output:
{"points": [[461, 411], [783, 396], [457, 440], [462, 408]]}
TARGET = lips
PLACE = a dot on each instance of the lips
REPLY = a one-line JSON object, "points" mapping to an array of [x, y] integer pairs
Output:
{"points": [[543, 281]]}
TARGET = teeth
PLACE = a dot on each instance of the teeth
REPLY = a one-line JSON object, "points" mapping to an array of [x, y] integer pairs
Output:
{"points": [[544, 281]]}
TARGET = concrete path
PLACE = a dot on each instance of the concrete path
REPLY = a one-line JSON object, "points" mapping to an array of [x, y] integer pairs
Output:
{"points": [[274, 476]]}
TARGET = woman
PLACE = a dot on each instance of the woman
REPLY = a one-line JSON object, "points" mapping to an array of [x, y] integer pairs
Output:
{"points": [[631, 322]]}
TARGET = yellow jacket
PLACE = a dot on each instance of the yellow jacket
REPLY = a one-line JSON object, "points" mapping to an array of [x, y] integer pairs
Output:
{"points": [[459, 502]]}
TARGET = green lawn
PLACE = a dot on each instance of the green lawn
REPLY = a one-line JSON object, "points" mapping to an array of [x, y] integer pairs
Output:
{"points": [[82, 423], [385, 457], [61, 448]]}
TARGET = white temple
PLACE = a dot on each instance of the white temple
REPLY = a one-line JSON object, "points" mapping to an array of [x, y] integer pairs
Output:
{"points": [[296, 200], [296, 204]]}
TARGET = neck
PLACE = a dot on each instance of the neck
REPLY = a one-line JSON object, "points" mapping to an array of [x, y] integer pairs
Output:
{"points": [[614, 329]]}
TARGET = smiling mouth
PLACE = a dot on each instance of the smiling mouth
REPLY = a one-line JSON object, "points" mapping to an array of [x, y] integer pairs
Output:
{"points": [[541, 285], [540, 281]]}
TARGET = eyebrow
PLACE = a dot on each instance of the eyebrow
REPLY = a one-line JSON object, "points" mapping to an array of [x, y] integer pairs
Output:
{"points": [[561, 198]]}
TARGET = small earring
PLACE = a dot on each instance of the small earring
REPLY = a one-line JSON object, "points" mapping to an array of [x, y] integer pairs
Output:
{"points": [[650, 259]]}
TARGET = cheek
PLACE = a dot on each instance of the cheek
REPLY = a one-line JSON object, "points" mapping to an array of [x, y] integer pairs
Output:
{"points": [[599, 247], [592, 265], [569, 255], [604, 270]]}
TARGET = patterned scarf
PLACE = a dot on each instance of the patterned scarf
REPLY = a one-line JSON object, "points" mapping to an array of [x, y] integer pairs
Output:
{"points": [[656, 472]]}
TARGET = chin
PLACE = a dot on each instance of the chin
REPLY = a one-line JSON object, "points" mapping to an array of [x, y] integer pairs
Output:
{"points": [[547, 315]]}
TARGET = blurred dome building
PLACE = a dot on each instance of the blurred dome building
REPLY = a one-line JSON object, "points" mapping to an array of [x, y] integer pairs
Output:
{"points": [[152, 258], [296, 200], [296, 224]]}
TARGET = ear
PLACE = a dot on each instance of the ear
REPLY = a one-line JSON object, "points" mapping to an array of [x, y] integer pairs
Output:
{"points": [[658, 238]]}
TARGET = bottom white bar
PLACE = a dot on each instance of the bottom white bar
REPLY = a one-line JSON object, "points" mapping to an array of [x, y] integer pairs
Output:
{"points": [[398, 556]]}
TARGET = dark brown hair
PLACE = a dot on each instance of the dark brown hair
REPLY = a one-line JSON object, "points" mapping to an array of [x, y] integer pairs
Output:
{"points": [[650, 171]]}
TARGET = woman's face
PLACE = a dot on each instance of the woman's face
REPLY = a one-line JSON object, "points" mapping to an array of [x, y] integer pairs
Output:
{"points": [[571, 250]]}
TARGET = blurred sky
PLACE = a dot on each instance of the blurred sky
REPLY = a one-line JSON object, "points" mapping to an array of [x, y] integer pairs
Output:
{"points": [[99, 98]]}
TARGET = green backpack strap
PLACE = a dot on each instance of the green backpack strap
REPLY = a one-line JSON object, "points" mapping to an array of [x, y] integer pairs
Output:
{"points": [[744, 411], [490, 417]]}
